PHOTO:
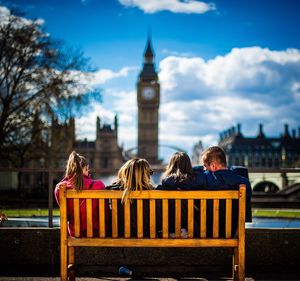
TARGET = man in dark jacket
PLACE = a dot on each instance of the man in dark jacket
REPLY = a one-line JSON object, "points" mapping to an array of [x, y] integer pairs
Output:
{"points": [[218, 176]]}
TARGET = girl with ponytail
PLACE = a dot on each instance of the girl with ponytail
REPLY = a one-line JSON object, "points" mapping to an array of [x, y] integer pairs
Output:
{"points": [[77, 177]]}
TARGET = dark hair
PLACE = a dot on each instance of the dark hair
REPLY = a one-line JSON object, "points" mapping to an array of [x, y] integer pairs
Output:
{"points": [[179, 166], [74, 168], [214, 153]]}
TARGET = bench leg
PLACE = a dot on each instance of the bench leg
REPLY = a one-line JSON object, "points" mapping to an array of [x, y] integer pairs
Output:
{"points": [[71, 262], [63, 261], [238, 264], [235, 262], [241, 271]]}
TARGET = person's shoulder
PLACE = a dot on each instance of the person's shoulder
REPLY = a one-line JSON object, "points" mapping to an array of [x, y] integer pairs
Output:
{"points": [[167, 183], [99, 184], [198, 169], [234, 176], [113, 187], [63, 183], [89, 183]]}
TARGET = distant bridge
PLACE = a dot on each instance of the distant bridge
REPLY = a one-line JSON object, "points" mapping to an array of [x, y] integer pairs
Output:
{"points": [[273, 180]]}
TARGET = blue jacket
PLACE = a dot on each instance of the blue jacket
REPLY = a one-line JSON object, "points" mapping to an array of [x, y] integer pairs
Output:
{"points": [[220, 180]]}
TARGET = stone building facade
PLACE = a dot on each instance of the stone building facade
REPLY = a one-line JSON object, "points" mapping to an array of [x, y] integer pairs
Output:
{"points": [[261, 151]]}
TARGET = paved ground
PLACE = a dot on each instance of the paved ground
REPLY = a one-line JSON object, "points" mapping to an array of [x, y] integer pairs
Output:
{"points": [[112, 279], [280, 278]]}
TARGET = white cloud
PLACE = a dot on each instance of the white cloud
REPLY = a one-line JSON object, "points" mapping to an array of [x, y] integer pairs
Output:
{"points": [[248, 85], [200, 99], [6, 16], [104, 75], [174, 6]]}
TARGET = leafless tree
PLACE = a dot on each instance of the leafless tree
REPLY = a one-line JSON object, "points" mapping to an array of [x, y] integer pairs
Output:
{"points": [[39, 79]]}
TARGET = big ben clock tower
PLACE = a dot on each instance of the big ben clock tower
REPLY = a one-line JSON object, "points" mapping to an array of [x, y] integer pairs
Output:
{"points": [[148, 96]]}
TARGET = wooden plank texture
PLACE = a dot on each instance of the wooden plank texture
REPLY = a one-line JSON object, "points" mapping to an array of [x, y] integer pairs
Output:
{"points": [[76, 217], [216, 219], [89, 218], [177, 218]]}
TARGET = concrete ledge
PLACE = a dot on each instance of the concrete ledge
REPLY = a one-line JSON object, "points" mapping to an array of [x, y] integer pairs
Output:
{"points": [[36, 250]]}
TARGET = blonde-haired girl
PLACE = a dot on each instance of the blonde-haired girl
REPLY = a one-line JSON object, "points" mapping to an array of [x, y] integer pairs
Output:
{"points": [[134, 175]]}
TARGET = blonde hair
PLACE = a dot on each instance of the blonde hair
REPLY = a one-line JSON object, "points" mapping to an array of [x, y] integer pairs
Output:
{"points": [[134, 175], [74, 168], [179, 166]]}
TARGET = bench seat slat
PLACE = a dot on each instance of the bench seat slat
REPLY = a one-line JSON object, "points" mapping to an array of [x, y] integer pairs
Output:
{"points": [[134, 242]]}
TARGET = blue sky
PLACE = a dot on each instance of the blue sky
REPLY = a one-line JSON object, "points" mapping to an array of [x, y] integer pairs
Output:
{"points": [[220, 62]]}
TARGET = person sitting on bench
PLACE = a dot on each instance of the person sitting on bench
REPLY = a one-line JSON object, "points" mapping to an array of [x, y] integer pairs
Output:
{"points": [[77, 177], [134, 175]]}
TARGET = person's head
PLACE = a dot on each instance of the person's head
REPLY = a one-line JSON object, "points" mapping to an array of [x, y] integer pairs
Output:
{"points": [[214, 159], [134, 175], [77, 167], [179, 166]]}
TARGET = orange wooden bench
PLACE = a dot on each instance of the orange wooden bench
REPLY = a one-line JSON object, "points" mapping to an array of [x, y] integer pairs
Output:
{"points": [[237, 243]]}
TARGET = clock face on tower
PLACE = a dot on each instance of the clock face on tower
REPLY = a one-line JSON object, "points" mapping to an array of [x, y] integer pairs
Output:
{"points": [[148, 93]]}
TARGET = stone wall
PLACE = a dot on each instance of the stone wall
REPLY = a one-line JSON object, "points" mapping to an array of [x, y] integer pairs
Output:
{"points": [[31, 251]]}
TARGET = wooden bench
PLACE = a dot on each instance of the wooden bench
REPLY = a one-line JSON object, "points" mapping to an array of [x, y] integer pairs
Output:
{"points": [[237, 243]]}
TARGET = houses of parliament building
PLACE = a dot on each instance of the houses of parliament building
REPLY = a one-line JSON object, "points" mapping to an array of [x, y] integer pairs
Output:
{"points": [[261, 151]]}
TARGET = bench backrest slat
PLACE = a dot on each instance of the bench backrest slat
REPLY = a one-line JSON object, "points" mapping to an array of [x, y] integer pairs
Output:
{"points": [[140, 212], [228, 218], [89, 218], [102, 225], [216, 218], [190, 218], [165, 218], [152, 219], [77, 217], [177, 218], [114, 216], [202, 218], [127, 219], [154, 194]]}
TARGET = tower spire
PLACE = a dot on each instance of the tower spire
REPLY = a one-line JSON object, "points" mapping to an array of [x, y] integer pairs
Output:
{"points": [[148, 72], [149, 54]]}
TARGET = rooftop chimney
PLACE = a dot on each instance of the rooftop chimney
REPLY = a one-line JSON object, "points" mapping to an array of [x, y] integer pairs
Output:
{"points": [[286, 131], [238, 133], [260, 131]]}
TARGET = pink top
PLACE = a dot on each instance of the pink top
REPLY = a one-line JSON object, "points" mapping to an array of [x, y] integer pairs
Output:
{"points": [[87, 181]]}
